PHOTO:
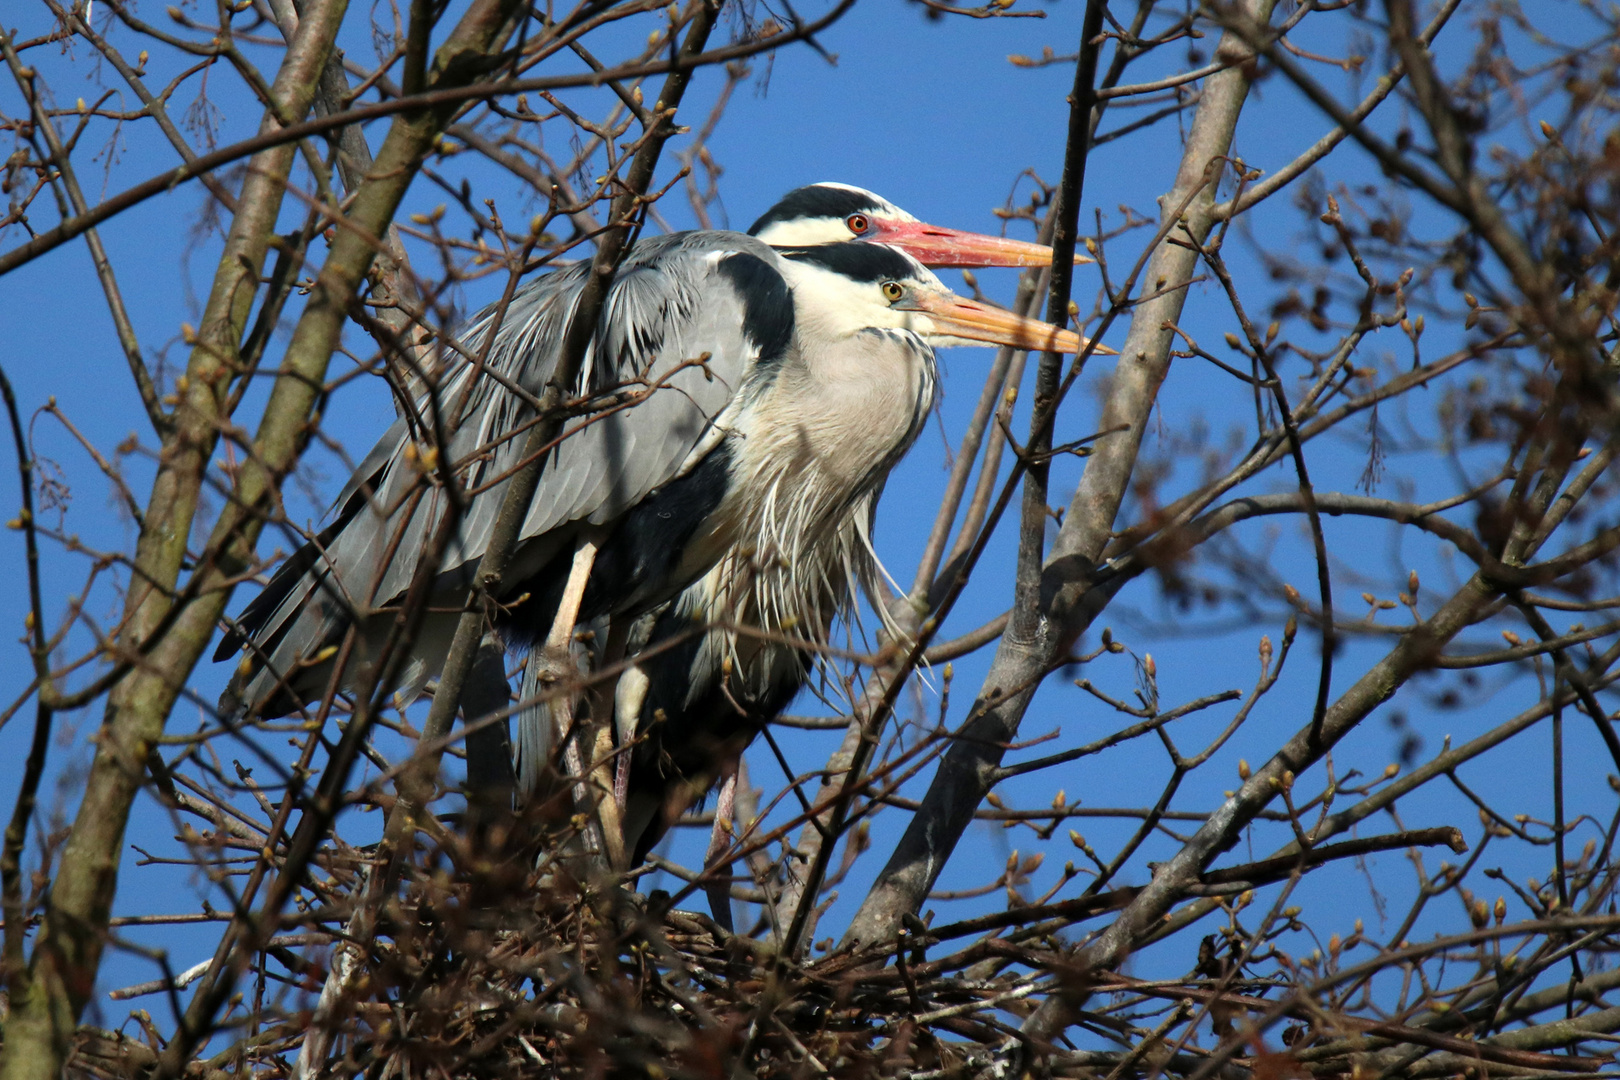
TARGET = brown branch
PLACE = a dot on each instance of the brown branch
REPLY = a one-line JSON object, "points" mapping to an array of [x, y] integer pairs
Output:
{"points": [[971, 641], [1259, 346], [1226, 881], [1502, 1049], [13, 963]]}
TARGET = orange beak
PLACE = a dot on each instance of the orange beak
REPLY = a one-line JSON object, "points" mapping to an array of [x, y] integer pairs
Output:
{"points": [[958, 317]]}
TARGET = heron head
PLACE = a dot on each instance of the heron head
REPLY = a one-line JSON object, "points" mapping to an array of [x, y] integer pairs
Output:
{"points": [[830, 213], [849, 287]]}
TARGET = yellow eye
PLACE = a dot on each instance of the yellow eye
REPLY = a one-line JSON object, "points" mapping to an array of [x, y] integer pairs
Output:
{"points": [[858, 223], [892, 291]]}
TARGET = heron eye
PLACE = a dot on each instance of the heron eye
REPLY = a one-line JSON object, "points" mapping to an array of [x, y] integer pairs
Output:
{"points": [[892, 291], [858, 223]]}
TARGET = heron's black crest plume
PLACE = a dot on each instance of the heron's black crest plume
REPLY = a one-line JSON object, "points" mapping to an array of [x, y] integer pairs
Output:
{"points": [[820, 201], [870, 263]]}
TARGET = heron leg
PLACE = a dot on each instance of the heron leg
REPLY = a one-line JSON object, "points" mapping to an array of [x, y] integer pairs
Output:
{"points": [[718, 885], [621, 781], [604, 703], [557, 658], [597, 737]]}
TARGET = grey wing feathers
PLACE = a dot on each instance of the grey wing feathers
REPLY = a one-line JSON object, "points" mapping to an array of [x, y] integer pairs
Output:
{"points": [[670, 304]]}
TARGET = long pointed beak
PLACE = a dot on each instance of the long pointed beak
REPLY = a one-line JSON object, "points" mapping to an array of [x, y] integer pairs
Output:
{"points": [[956, 316], [934, 246]]}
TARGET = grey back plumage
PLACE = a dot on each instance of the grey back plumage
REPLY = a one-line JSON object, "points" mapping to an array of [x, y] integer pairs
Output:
{"points": [[676, 299]]}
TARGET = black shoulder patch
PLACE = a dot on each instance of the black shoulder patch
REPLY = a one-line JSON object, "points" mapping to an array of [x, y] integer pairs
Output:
{"points": [[635, 566], [767, 303], [858, 260], [648, 542], [817, 201]]}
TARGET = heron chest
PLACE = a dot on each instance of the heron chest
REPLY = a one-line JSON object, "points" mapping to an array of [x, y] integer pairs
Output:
{"points": [[844, 415]]}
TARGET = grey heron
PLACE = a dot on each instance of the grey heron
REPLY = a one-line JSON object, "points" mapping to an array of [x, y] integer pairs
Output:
{"points": [[695, 700], [756, 362]]}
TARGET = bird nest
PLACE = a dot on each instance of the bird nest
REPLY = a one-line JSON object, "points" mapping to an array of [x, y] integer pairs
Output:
{"points": [[601, 983], [473, 967]]}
